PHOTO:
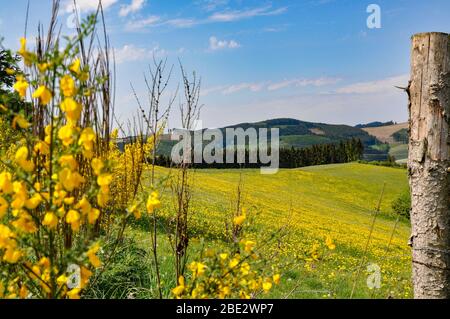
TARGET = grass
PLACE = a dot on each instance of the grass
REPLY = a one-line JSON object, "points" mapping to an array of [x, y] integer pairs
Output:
{"points": [[316, 202]]}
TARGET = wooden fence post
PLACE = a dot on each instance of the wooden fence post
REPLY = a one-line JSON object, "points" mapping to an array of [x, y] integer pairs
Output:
{"points": [[429, 163]]}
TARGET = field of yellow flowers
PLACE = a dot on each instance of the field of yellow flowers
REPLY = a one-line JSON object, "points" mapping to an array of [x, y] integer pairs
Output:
{"points": [[80, 218], [316, 226]]}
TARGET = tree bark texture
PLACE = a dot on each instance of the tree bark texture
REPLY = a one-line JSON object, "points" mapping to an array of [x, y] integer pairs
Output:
{"points": [[428, 164]]}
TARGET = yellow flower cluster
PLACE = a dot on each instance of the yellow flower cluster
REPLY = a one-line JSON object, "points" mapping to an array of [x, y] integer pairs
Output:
{"points": [[226, 275], [51, 188]]}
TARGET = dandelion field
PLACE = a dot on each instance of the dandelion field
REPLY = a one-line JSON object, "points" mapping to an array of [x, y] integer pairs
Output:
{"points": [[335, 201]]}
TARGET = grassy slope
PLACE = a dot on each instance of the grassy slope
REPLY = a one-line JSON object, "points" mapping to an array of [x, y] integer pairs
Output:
{"points": [[335, 200], [384, 133]]}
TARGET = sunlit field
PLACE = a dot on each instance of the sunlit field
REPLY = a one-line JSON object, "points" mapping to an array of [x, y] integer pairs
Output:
{"points": [[308, 205]]}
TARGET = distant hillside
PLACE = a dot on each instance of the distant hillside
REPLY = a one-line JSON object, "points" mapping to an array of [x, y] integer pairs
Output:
{"points": [[385, 133], [375, 124], [395, 138], [298, 134]]}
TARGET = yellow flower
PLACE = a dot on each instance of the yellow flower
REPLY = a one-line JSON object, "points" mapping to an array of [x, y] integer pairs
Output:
{"points": [[21, 86], [42, 148], [69, 200], [97, 166], [70, 180], [6, 186], [67, 85], [25, 223], [245, 269], [74, 293], [330, 244], [22, 154], [84, 206], [20, 120], [249, 245], [21, 159], [153, 202], [133, 210], [43, 94], [104, 179], [197, 268], [223, 256], [10, 71], [73, 218], [93, 258], [3, 207], [267, 285], [24, 53], [44, 262], [50, 220], [68, 161], [178, 290], [72, 109], [87, 138], [23, 293], [276, 279], [102, 199], [20, 195], [75, 67], [93, 215], [61, 280], [233, 263], [43, 67], [12, 255], [239, 220], [33, 202], [66, 134]]}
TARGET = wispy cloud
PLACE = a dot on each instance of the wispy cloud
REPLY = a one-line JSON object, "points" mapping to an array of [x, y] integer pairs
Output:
{"points": [[253, 87], [134, 6], [383, 85], [302, 83], [216, 44], [88, 5], [217, 17], [131, 53], [270, 85], [211, 5], [140, 24], [230, 16]]}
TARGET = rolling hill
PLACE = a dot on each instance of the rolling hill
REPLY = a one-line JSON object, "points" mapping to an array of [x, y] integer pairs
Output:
{"points": [[296, 133], [395, 137]]}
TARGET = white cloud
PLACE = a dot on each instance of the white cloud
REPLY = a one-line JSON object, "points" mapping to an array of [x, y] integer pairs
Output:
{"points": [[215, 44], [134, 6], [131, 53], [236, 15], [302, 83], [139, 24], [88, 5], [383, 85], [253, 87], [211, 5], [181, 23], [270, 86], [218, 17]]}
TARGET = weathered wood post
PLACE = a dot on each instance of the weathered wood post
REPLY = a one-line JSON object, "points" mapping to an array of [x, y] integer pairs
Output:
{"points": [[429, 163]]}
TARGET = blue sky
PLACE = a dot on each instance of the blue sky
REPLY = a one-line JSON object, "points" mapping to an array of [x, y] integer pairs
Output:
{"points": [[314, 60]]}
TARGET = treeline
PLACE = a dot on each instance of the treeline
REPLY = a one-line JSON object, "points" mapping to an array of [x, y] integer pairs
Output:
{"points": [[342, 152]]}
